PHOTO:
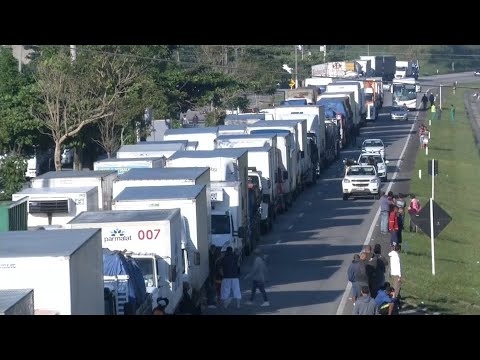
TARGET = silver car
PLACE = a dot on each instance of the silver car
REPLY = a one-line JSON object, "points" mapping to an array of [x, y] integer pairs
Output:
{"points": [[399, 113], [373, 146]]}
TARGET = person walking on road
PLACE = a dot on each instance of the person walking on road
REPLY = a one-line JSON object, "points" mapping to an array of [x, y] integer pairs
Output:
{"points": [[424, 101], [258, 274], [230, 280], [433, 111], [364, 305], [431, 98], [452, 112], [351, 278], [395, 268], [384, 210]]}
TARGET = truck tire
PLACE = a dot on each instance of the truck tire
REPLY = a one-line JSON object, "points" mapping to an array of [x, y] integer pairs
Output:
{"points": [[345, 196]]}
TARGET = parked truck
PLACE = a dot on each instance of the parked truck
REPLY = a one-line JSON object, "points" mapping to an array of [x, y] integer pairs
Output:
{"points": [[403, 69], [103, 180], [231, 130], [14, 215], [187, 145], [150, 150], [205, 136], [17, 302], [63, 267], [153, 238], [121, 165], [243, 119], [373, 97], [337, 111], [260, 141], [357, 86], [336, 69], [57, 206], [382, 65], [309, 94], [228, 167], [351, 103]]}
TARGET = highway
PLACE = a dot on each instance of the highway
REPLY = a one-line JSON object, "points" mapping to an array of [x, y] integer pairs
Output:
{"points": [[311, 246], [449, 79]]}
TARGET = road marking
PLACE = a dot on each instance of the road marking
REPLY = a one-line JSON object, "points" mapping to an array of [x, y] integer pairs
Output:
{"points": [[278, 242], [343, 301], [290, 227], [301, 215]]}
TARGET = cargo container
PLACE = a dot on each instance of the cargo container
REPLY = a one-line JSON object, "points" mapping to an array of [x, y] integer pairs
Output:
{"points": [[151, 149], [63, 267], [57, 206], [204, 136], [243, 119], [102, 179], [14, 215], [122, 165], [17, 302], [231, 130]]}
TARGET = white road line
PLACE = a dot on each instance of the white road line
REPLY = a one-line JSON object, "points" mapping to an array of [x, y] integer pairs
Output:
{"points": [[278, 242], [301, 215], [343, 301], [290, 227]]}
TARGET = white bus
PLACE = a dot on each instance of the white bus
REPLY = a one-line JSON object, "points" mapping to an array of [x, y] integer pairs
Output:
{"points": [[405, 92]]}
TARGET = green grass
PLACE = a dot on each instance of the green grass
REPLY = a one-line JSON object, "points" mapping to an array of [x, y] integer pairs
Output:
{"points": [[455, 289]]}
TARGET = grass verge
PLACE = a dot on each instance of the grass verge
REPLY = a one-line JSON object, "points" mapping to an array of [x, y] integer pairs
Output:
{"points": [[455, 289]]}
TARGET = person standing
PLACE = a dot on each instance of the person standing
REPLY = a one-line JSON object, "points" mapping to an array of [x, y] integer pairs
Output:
{"points": [[424, 101], [365, 305], [384, 210], [230, 282], [395, 268], [351, 278], [393, 226], [433, 110], [413, 210], [452, 112], [258, 274], [380, 268], [431, 98], [360, 271]]}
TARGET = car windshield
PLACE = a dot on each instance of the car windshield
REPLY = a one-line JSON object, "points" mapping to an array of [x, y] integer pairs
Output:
{"points": [[397, 108], [377, 158], [372, 143], [361, 170]]}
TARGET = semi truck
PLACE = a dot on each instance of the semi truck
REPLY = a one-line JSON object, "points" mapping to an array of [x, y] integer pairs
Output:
{"points": [[373, 97], [63, 267], [309, 94], [383, 66], [403, 69], [337, 111], [357, 86], [153, 238], [57, 206], [123, 165], [103, 180]]}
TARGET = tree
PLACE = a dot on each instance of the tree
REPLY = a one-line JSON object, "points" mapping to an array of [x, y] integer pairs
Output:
{"points": [[75, 95], [12, 175]]}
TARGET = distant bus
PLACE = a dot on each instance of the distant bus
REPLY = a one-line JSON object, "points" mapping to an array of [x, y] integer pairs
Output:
{"points": [[404, 91]]}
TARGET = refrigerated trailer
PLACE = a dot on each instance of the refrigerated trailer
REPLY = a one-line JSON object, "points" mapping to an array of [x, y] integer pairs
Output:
{"points": [[123, 165]]}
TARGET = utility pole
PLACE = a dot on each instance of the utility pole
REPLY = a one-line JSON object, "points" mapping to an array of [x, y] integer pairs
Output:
{"points": [[73, 52], [368, 50], [20, 58], [296, 68]]}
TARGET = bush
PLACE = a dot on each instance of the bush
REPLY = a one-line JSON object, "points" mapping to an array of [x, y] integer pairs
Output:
{"points": [[12, 175]]}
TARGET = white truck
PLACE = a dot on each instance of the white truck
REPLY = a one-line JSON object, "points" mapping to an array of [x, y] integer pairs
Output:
{"points": [[187, 145], [243, 119], [63, 267], [149, 150], [121, 166], [359, 96], [231, 166], [289, 133], [403, 69], [152, 237], [361, 181], [231, 130], [57, 206], [17, 302], [103, 180], [204, 136]]}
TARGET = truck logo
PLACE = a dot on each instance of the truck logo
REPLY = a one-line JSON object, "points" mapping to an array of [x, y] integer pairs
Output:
{"points": [[117, 235]]}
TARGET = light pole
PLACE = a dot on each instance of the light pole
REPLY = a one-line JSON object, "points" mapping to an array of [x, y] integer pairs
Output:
{"points": [[296, 68]]}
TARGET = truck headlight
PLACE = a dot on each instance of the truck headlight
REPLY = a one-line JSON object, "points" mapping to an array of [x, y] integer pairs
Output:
{"points": [[374, 181], [346, 181]]}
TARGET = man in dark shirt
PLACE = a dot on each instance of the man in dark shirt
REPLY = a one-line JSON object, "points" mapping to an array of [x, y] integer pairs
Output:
{"points": [[230, 280]]}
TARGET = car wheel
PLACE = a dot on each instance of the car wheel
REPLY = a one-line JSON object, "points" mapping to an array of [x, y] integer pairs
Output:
{"points": [[345, 196]]}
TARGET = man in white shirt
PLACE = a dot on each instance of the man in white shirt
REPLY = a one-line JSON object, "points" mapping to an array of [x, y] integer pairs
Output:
{"points": [[395, 268]]}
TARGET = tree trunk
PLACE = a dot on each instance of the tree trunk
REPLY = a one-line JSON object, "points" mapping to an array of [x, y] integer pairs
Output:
{"points": [[58, 156], [77, 159], [109, 155]]}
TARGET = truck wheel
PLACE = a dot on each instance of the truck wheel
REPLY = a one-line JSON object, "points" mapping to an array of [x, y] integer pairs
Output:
{"points": [[345, 196]]}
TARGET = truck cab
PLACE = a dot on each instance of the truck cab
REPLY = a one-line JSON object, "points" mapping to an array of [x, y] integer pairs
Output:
{"points": [[223, 231]]}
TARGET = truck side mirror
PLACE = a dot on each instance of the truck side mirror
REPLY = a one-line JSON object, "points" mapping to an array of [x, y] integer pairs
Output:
{"points": [[241, 232], [285, 175]]}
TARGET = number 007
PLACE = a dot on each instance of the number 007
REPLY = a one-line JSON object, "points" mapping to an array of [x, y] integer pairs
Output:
{"points": [[149, 234]]}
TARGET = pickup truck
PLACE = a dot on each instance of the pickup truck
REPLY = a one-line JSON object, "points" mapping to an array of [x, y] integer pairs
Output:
{"points": [[361, 181]]}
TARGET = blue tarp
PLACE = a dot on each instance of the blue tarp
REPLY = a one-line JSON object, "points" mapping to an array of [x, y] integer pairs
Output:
{"points": [[115, 263]]}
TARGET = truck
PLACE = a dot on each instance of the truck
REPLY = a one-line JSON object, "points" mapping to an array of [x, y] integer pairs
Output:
{"points": [[187, 145], [309, 94], [287, 166], [14, 215], [365, 67], [17, 302], [231, 130], [243, 119], [382, 65], [103, 180], [336, 69], [351, 103], [57, 206], [319, 82], [373, 97], [260, 141], [121, 166], [150, 150], [403, 69], [205, 136], [63, 267], [357, 86], [153, 238], [228, 167], [338, 111]]}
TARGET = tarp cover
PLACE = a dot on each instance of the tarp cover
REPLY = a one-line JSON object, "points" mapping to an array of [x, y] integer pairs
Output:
{"points": [[115, 263]]}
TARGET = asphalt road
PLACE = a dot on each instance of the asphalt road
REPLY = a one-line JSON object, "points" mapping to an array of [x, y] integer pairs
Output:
{"points": [[311, 246], [449, 79]]}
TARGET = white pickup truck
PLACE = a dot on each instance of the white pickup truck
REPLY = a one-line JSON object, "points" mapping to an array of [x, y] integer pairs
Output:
{"points": [[361, 181]]}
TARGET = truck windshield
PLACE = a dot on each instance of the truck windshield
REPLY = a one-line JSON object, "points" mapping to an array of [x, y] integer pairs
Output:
{"points": [[147, 265], [404, 92], [298, 102], [220, 224]]}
